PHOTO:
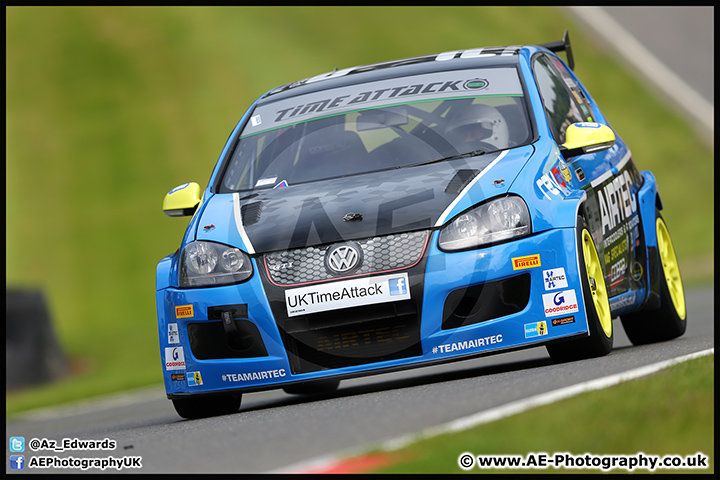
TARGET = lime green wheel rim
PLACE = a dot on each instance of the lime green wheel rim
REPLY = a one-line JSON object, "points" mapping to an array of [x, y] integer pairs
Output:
{"points": [[670, 268], [596, 280]]}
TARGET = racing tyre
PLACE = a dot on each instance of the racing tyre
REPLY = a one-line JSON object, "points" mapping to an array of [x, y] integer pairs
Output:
{"points": [[308, 388], [207, 406], [670, 320], [597, 306]]}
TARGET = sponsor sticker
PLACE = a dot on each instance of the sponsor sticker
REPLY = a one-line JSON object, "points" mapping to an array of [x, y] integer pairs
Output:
{"points": [[536, 329], [266, 181], [348, 293], [559, 303], [194, 379], [173, 333], [174, 358], [565, 171], [559, 178], [554, 278], [637, 271], [580, 174], [563, 320], [528, 261], [177, 377], [467, 344], [250, 376], [184, 311]]}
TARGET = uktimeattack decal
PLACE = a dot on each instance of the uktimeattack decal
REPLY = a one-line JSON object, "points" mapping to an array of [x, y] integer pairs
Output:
{"points": [[347, 293], [559, 303], [174, 358]]}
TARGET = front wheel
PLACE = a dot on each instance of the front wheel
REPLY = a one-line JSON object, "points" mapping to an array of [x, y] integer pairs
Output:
{"points": [[597, 306], [210, 406], [670, 320]]}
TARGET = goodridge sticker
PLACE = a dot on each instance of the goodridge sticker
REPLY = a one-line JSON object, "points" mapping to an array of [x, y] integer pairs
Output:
{"points": [[348, 293], [560, 303], [174, 358]]}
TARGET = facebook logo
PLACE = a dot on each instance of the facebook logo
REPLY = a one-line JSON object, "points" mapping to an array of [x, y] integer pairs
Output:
{"points": [[17, 462], [398, 286], [17, 444]]}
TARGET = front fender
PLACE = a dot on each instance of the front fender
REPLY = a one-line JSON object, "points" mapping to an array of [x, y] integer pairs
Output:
{"points": [[163, 273], [649, 202]]}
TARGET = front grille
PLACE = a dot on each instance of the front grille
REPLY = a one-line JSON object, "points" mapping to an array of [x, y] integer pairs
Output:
{"points": [[305, 265], [388, 335]]}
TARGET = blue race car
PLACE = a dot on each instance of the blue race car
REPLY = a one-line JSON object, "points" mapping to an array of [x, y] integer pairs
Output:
{"points": [[411, 213]]}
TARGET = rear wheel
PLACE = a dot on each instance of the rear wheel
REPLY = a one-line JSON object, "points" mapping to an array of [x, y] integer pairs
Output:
{"points": [[597, 306], [670, 320], [211, 406]]}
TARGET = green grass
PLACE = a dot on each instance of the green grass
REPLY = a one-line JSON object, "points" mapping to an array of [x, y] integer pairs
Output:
{"points": [[669, 413], [108, 108]]}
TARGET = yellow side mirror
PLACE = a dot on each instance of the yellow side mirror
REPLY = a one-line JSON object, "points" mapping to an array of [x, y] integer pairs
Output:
{"points": [[587, 137], [183, 200]]}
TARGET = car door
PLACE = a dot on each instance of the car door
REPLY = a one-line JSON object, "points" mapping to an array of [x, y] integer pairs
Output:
{"points": [[609, 178]]}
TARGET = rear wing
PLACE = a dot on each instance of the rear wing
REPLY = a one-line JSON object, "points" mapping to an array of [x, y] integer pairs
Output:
{"points": [[562, 45]]}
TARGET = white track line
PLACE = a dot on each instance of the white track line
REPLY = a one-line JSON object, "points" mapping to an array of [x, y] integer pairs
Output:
{"points": [[96, 404], [653, 69], [502, 411]]}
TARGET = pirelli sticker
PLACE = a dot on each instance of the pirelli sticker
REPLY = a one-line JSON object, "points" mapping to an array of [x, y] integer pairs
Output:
{"points": [[528, 261], [184, 311]]}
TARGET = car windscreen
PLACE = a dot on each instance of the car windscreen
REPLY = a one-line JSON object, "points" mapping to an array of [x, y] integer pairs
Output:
{"points": [[380, 125]]}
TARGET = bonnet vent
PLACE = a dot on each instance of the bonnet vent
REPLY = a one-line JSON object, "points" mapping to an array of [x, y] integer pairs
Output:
{"points": [[251, 213], [460, 180]]}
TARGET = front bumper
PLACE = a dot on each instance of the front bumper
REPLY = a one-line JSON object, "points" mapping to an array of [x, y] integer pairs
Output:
{"points": [[514, 295]]}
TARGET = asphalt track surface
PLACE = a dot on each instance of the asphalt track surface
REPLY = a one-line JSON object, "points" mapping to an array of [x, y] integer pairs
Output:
{"points": [[273, 430]]}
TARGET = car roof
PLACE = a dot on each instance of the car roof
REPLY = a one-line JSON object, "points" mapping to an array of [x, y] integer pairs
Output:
{"points": [[446, 61]]}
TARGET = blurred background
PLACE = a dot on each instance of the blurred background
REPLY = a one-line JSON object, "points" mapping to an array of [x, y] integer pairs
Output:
{"points": [[109, 108]]}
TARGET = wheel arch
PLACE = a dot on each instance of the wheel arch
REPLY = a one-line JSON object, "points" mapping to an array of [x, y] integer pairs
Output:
{"points": [[650, 203]]}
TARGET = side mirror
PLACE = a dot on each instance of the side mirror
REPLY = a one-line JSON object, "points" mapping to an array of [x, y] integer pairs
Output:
{"points": [[183, 200], [586, 137]]}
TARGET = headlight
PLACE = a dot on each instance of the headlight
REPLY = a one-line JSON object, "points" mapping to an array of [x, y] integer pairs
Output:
{"points": [[492, 222], [205, 264]]}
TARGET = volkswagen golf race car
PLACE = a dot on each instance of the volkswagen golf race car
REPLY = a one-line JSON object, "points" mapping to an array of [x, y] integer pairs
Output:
{"points": [[410, 213]]}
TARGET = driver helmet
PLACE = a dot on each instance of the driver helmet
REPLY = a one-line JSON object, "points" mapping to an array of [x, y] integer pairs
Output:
{"points": [[478, 124]]}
